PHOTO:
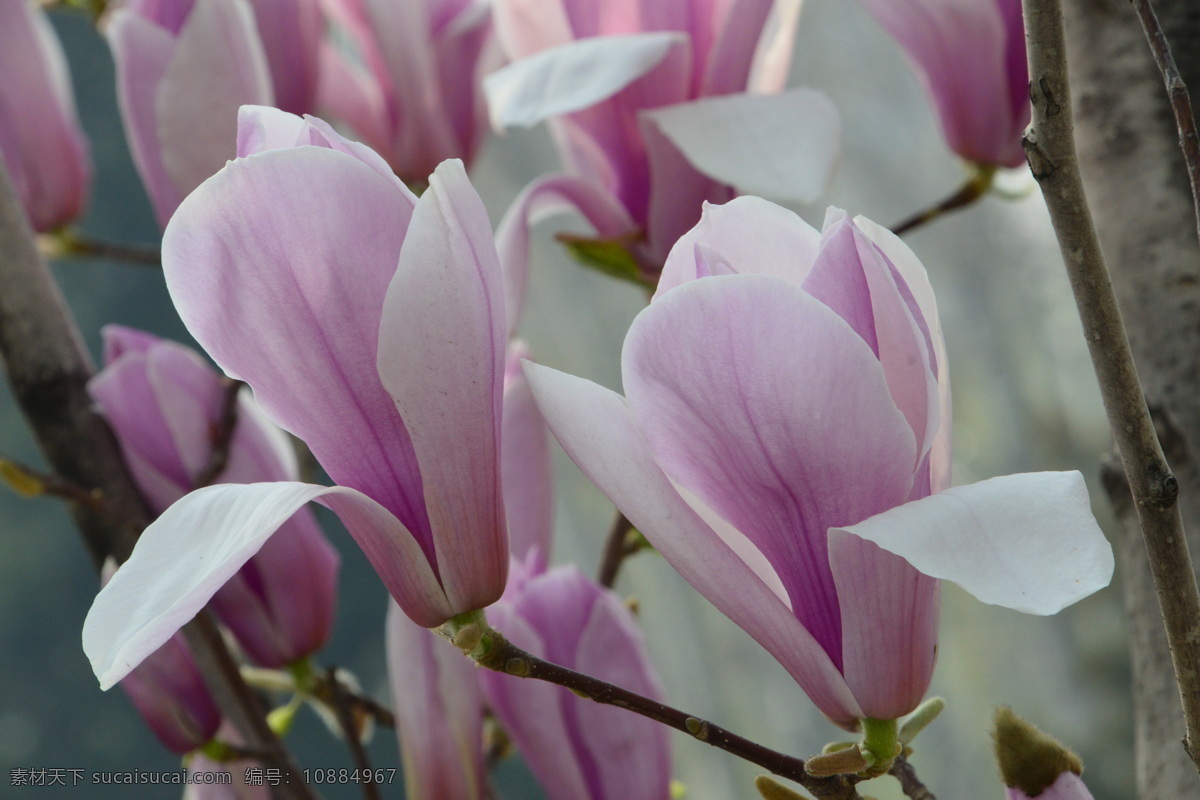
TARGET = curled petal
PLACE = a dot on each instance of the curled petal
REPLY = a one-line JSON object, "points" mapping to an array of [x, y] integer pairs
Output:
{"points": [[526, 468], [173, 572], [1027, 542]]}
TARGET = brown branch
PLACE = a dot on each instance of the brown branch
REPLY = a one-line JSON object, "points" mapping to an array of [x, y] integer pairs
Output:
{"points": [[1050, 149], [503, 656], [910, 784], [1177, 92], [975, 188], [326, 692], [48, 369], [616, 549], [31, 483], [350, 731], [69, 242]]}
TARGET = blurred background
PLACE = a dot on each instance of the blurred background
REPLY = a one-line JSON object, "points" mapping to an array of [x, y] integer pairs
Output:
{"points": [[1024, 399]]}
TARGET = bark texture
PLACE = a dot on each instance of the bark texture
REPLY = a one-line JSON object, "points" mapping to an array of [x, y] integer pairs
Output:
{"points": [[1137, 185]]}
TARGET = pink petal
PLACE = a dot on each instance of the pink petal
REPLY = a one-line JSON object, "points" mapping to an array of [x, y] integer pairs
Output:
{"points": [[218, 65], [291, 32], [572, 77], [41, 141], [299, 246], [142, 53], [441, 358], [751, 236], [526, 468], [597, 430], [526, 27], [351, 93], [784, 145], [889, 626], [550, 194], [1068, 786], [1027, 542], [773, 58], [726, 66], [174, 571], [439, 713], [762, 401]]}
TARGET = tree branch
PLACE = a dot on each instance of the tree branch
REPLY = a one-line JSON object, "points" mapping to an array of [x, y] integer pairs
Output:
{"points": [[48, 369], [1050, 149], [1181, 104], [503, 656], [910, 784]]}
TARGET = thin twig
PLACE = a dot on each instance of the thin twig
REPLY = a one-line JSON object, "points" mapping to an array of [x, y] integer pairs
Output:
{"points": [[72, 243], [1050, 149], [910, 784], [327, 693], [503, 656], [615, 551], [1177, 92], [30, 482], [221, 435], [48, 369], [350, 731], [975, 187]]}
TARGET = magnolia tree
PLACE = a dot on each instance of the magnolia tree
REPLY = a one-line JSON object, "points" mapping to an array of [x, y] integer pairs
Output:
{"points": [[781, 441]]}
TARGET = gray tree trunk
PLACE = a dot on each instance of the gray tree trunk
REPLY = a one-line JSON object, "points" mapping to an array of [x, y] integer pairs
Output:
{"points": [[1137, 186]]}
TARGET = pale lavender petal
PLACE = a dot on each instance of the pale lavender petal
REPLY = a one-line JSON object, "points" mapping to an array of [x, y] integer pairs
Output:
{"points": [[291, 32], [725, 66], [441, 357], [142, 54], [1027, 542], [119, 340], [572, 77], [438, 705], [916, 279], [173, 571], [526, 468], [597, 430], [1068, 786], [41, 141], [784, 145], [218, 65], [299, 246], [751, 236], [773, 58], [349, 92], [889, 626], [855, 279], [763, 402], [526, 27], [551, 194]]}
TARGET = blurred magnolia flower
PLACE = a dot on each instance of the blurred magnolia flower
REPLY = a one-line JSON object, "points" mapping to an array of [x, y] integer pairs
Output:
{"points": [[971, 58], [1033, 764], [575, 747], [369, 324], [785, 441], [41, 142], [244, 784], [163, 402], [183, 70], [169, 693], [411, 87], [659, 106]]}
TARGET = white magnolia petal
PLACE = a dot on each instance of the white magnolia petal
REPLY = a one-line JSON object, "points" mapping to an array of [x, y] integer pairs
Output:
{"points": [[783, 145], [573, 76], [1027, 542], [196, 545]]}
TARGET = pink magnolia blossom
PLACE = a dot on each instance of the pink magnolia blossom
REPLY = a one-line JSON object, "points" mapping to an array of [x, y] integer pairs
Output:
{"points": [[971, 58], [183, 70], [784, 442], [1068, 786], [41, 142], [163, 402], [369, 324], [660, 106], [417, 97], [575, 747]]}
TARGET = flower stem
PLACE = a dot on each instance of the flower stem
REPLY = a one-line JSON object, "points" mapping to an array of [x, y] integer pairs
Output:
{"points": [[975, 187]]}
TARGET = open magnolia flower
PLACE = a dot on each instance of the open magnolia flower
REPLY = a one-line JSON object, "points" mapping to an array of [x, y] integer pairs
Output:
{"points": [[785, 444], [369, 324]]}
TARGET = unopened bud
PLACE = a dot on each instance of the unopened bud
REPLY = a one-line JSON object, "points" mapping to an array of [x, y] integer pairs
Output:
{"points": [[1029, 760]]}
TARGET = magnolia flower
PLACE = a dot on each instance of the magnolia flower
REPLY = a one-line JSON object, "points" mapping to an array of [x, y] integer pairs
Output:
{"points": [[785, 444], [575, 747], [971, 57], [41, 142], [660, 106], [369, 324], [417, 96], [163, 402], [183, 69]]}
